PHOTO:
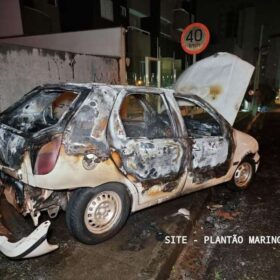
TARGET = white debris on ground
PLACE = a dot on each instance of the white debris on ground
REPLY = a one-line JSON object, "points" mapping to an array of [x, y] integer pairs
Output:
{"points": [[185, 212]]}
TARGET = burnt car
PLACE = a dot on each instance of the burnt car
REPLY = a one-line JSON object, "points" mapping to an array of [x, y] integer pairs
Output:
{"points": [[101, 152]]}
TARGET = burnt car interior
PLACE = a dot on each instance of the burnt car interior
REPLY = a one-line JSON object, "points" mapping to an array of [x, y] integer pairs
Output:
{"points": [[41, 110], [199, 123], [146, 115]]}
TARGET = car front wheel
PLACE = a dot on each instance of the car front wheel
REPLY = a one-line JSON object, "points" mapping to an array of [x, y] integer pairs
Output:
{"points": [[243, 175], [94, 215]]}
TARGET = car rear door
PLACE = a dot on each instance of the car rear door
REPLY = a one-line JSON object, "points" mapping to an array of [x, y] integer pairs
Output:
{"points": [[144, 141]]}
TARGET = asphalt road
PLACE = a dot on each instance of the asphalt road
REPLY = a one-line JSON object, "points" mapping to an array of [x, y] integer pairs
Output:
{"points": [[254, 212]]}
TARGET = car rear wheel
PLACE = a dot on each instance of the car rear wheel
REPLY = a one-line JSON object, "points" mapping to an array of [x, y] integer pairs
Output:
{"points": [[243, 175], [96, 214]]}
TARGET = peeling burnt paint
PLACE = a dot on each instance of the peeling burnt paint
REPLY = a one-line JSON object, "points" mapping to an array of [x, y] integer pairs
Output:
{"points": [[201, 175], [87, 130], [168, 184], [209, 151], [152, 159], [215, 91], [12, 147], [149, 161]]}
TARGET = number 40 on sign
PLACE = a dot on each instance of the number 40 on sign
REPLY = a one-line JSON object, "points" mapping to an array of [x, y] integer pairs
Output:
{"points": [[195, 38]]}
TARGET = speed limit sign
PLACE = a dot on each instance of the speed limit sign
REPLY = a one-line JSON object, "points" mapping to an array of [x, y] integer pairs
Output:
{"points": [[195, 38]]}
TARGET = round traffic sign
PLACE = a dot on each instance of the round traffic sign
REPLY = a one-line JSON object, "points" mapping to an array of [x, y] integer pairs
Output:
{"points": [[195, 38]]}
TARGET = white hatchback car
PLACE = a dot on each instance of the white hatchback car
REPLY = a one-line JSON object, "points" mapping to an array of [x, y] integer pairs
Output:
{"points": [[101, 152]]}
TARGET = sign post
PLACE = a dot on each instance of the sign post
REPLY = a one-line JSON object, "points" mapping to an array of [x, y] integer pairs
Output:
{"points": [[195, 39]]}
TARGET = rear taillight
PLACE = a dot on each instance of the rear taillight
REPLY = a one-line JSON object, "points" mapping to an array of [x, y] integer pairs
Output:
{"points": [[47, 157]]}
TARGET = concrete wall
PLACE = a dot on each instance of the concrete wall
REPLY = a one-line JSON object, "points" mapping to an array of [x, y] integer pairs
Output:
{"points": [[105, 42], [23, 68], [102, 42]]}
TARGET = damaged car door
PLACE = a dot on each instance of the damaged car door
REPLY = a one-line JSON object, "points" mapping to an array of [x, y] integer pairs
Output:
{"points": [[145, 145], [211, 140]]}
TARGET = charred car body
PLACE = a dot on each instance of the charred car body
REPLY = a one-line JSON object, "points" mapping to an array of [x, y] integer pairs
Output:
{"points": [[101, 152]]}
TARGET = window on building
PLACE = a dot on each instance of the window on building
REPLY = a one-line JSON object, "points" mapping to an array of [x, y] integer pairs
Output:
{"points": [[107, 10]]}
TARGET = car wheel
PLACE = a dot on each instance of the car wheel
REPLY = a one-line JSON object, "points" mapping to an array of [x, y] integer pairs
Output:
{"points": [[243, 175], [94, 215]]}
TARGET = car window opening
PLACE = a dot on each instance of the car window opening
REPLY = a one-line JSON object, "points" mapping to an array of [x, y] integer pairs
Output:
{"points": [[146, 115], [198, 122], [42, 110]]}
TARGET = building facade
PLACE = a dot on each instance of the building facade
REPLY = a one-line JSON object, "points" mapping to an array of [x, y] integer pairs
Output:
{"points": [[154, 54]]}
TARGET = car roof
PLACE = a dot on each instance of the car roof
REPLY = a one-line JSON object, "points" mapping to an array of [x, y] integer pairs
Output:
{"points": [[116, 87]]}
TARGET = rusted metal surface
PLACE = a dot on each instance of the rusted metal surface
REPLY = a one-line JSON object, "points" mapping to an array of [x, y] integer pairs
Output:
{"points": [[87, 130], [152, 159]]}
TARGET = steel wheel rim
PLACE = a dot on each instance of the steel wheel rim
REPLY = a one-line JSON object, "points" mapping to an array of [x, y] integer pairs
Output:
{"points": [[243, 174], [102, 212]]}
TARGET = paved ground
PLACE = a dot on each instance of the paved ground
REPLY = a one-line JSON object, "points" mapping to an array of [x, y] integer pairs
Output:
{"points": [[137, 252], [254, 212]]}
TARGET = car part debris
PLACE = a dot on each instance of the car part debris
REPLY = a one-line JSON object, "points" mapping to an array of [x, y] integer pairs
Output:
{"points": [[33, 245], [185, 212]]}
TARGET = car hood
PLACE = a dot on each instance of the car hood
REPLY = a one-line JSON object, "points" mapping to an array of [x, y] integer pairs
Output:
{"points": [[221, 80]]}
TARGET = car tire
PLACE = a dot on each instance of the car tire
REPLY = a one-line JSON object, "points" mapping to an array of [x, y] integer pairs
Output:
{"points": [[94, 215], [243, 175]]}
